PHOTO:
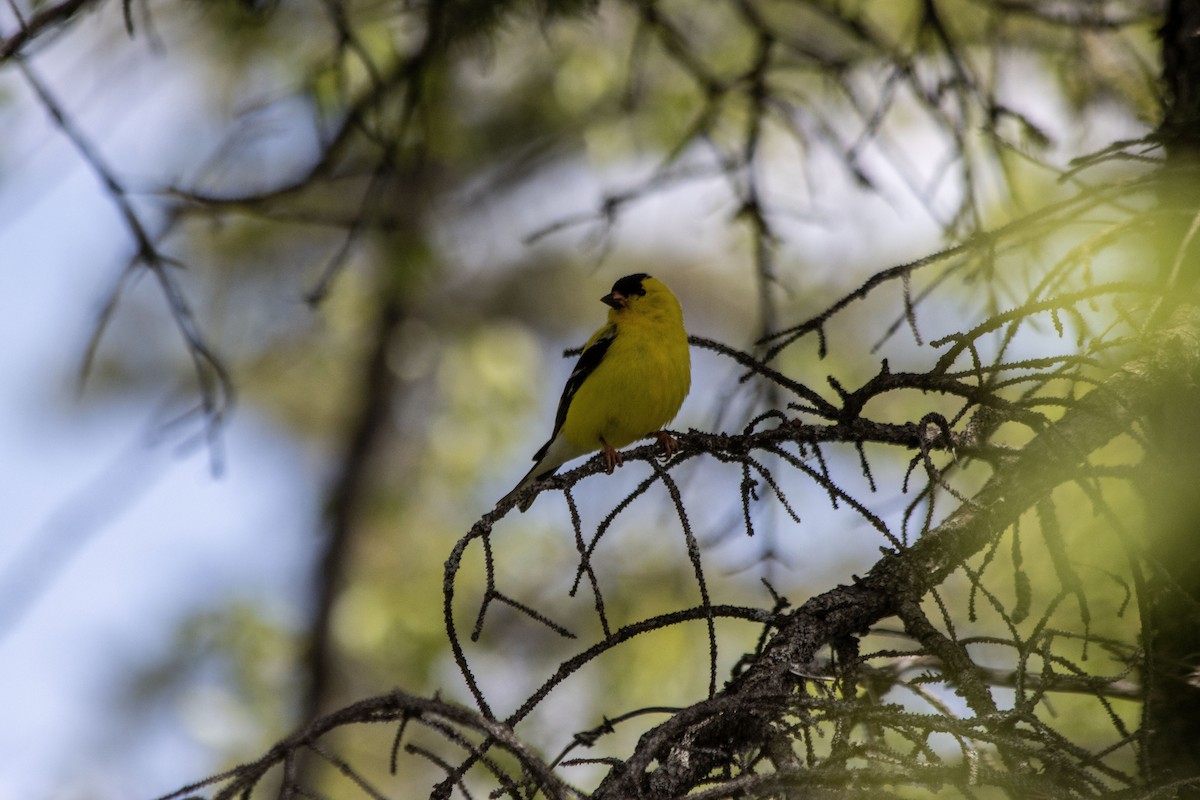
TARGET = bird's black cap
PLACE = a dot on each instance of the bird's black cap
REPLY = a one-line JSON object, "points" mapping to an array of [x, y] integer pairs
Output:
{"points": [[630, 285]]}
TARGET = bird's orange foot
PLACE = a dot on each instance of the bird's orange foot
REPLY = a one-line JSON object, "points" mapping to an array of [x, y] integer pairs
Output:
{"points": [[670, 444], [612, 459]]}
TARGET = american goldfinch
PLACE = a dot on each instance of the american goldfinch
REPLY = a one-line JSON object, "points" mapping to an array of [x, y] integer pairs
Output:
{"points": [[629, 381]]}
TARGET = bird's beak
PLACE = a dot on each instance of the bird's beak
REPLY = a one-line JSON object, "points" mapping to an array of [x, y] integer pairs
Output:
{"points": [[614, 299]]}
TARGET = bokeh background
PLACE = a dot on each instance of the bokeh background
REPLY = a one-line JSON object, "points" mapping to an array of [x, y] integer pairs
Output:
{"points": [[157, 566]]}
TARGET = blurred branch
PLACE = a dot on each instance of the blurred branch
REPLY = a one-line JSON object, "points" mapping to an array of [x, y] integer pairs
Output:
{"points": [[344, 505], [50, 19], [212, 378]]}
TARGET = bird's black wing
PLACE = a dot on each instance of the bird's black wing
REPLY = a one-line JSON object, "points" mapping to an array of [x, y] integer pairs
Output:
{"points": [[589, 359]]}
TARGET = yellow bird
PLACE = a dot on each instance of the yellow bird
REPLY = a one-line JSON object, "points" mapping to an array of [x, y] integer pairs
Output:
{"points": [[629, 381]]}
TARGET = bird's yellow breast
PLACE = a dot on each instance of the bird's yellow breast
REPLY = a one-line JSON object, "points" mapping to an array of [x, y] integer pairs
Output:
{"points": [[636, 390]]}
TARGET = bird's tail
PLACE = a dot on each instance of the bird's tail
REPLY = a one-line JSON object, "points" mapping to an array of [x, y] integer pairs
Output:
{"points": [[531, 477], [552, 455]]}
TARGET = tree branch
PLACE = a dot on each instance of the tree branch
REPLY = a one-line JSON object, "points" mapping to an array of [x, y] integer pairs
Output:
{"points": [[747, 708]]}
